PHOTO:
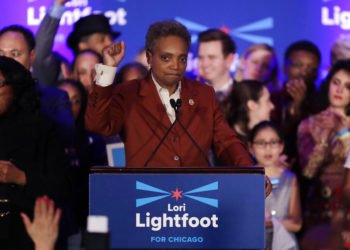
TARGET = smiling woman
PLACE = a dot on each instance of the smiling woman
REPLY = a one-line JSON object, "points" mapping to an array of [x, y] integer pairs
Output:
{"points": [[32, 160]]}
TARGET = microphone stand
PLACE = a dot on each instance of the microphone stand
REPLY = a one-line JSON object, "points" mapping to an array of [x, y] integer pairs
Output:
{"points": [[176, 106], [160, 143]]}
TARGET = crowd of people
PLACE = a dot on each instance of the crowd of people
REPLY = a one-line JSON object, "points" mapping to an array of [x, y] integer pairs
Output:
{"points": [[56, 118]]}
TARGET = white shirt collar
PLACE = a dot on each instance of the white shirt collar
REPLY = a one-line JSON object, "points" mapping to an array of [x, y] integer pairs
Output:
{"points": [[165, 98], [225, 87]]}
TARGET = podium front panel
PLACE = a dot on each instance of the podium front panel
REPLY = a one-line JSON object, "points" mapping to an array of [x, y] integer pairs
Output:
{"points": [[181, 210]]}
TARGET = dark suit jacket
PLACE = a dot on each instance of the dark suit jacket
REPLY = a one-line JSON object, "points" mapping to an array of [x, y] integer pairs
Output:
{"points": [[54, 103], [134, 110], [47, 64]]}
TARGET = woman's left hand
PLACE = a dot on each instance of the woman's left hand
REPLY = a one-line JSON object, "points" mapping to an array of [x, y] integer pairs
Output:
{"points": [[341, 120], [9, 173]]}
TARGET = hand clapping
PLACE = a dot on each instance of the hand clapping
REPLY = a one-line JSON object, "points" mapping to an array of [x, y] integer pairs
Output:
{"points": [[328, 121], [297, 90]]}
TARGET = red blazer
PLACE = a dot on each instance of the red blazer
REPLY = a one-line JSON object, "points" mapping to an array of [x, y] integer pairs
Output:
{"points": [[135, 111]]}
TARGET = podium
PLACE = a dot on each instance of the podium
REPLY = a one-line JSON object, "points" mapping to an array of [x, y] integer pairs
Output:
{"points": [[183, 208]]}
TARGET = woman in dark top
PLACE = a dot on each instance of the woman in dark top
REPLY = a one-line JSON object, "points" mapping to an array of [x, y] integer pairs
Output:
{"points": [[32, 161], [247, 105]]}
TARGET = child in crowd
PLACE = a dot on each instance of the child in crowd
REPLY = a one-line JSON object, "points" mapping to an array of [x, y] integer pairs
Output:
{"points": [[283, 212]]}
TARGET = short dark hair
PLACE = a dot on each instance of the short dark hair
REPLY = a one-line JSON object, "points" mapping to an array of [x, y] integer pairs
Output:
{"points": [[164, 29], [303, 45], [21, 81], [228, 45], [28, 34]]}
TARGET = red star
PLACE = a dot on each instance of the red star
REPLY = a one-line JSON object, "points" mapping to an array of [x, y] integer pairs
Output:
{"points": [[177, 194]]}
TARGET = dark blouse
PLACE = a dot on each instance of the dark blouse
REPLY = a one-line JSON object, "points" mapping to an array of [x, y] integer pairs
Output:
{"points": [[29, 142]]}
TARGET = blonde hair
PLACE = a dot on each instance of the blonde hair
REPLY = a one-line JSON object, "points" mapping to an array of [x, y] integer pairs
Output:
{"points": [[273, 79], [340, 50]]}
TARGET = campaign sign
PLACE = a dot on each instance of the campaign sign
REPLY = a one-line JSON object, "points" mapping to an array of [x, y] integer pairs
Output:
{"points": [[181, 210]]}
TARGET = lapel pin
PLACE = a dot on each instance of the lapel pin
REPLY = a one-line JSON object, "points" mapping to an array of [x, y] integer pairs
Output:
{"points": [[191, 102]]}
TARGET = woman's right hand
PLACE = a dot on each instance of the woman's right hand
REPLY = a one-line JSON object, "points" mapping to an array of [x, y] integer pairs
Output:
{"points": [[326, 123], [113, 54]]}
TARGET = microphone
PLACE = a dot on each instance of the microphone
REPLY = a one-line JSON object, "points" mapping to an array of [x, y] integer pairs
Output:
{"points": [[176, 106], [163, 138]]}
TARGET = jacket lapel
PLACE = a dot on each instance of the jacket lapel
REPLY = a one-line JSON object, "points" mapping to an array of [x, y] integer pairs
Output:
{"points": [[189, 102], [152, 104]]}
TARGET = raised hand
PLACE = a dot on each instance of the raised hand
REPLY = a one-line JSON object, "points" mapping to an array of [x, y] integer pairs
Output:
{"points": [[43, 230], [113, 54]]}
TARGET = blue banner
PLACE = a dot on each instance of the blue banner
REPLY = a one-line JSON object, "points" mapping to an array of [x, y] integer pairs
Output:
{"points": [[207, 211], [278, 23]]}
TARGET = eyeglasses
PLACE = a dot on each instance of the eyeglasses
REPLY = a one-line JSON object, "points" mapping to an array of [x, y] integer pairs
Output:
{"points": [[264, 144]]}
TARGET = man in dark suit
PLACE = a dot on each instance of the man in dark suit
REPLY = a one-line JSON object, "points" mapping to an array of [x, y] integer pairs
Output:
{"points": [[140, 110], [50, 66]]}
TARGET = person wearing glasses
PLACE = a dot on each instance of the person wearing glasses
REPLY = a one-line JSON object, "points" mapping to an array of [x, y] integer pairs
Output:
{"points": [[323, 143], [283, 209]]}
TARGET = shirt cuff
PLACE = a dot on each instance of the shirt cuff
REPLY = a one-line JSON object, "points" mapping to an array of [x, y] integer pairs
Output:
{"points": [[57, 10], [104, 74]]}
